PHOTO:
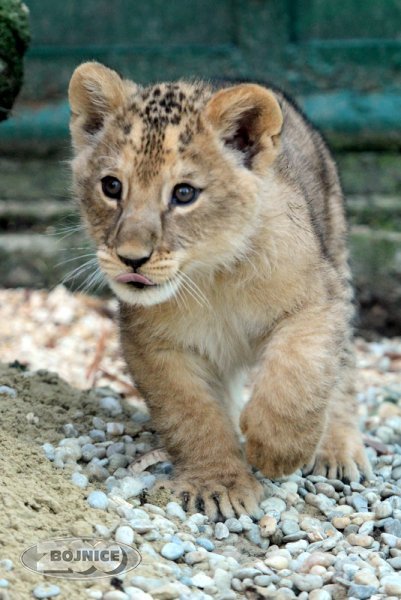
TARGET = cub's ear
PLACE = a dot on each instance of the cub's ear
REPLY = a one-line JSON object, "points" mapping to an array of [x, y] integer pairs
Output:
{"points": [[94, 92], [248, 119]]}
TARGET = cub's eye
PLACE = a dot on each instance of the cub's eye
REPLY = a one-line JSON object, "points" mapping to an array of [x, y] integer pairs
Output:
{"points": [[112, 187], [183, 193]]}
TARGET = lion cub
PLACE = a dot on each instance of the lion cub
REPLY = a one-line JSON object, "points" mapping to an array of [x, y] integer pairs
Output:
{"points": [[219, 223]]}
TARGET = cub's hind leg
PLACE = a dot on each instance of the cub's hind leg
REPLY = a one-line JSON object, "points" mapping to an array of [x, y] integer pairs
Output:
{"points": [[341, 453]]}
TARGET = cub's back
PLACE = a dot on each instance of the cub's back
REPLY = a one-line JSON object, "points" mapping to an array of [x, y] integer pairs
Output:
{"points": [[306, 164]]}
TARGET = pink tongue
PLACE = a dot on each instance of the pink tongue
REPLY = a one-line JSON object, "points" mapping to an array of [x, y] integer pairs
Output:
{"points": [[136, 277]]}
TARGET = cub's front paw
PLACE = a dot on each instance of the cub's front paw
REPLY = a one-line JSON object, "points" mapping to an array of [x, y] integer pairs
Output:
{"points": [[221, 496], [273, 446]]}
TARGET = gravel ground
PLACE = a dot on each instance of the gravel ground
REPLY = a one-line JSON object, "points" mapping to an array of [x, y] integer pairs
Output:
{"points": [[316, 538]]}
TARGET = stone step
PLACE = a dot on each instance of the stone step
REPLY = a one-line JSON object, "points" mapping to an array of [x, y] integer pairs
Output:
{"points": [[378, 211]]}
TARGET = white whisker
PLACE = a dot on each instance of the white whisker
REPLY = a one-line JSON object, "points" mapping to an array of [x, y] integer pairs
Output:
{"points": [[190, 284], [68, 260]]}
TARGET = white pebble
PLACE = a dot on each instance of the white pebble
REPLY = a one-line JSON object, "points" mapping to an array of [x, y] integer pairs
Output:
{"points": [[46, 591], [277, 562], [172, 551], [124, 534], [135, 593], [98, 499], [115, 595], [319, 595], [221, 531], [49, 451], [173, 509], [6, 564], [79, 479], [115, 428], [392, 585], [201, 580], [130, 486], [5, 390]]}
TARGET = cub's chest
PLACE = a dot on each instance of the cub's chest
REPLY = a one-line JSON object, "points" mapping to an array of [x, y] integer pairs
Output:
{"points": [[226, 334]]}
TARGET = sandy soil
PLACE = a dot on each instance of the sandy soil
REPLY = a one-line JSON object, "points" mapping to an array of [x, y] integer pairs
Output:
{"points": [[37, 500]]}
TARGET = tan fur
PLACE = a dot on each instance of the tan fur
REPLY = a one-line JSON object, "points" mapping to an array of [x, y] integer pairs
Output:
{"points": [[253, 273]]}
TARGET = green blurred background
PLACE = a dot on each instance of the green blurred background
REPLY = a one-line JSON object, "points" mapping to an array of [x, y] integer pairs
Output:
{"points": [[341, 59]]}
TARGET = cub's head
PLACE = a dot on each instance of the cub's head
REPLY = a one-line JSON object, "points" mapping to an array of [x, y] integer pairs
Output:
{"points": [[169, 177]]}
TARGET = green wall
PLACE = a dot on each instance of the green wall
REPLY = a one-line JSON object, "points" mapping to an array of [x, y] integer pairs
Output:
{"points": [[341, 58]]}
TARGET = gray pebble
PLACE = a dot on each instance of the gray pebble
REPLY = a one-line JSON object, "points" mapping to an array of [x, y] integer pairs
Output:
{"points": [[5, 390], [206, 543], [89, 451], [245, 572], [289, 527], [359, 503], [120, 473], [98, 423], [70, 430], [294, 537], [246, 522], [393, 526], [115, 448], [263, 580], [96, 472], [307, 582], [117, 461], [274, 506], [233, 525], [97, 435], [367, 528], [130, 449], [140, 417], [395, 562], [383, 509], [111, 406], [396, 473], [253, 535], [362, 592]]}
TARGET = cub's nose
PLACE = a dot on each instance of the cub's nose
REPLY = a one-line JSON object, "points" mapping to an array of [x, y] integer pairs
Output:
{"points": [[134, 263]]}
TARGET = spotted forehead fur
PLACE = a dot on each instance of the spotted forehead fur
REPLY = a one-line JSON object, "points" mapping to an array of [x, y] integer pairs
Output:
{"points": [[159, 106]]}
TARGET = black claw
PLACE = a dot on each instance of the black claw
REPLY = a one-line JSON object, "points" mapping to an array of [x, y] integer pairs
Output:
{"points": [[216, 499], [346, 480], [199, 504], [185, 496]]}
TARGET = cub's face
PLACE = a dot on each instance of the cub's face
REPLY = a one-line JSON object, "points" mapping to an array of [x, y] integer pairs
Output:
{"points": [[168, 177]]}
